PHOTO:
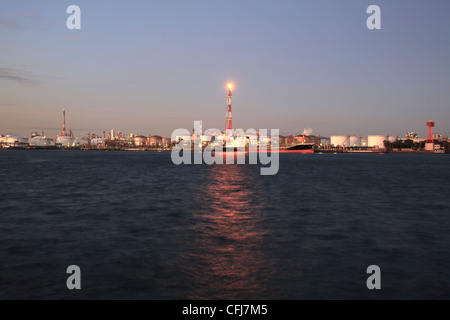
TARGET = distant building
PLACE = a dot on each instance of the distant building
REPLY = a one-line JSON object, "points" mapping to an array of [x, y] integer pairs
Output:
{"points": [[166, 142], [98, 142], [306, 139], [139, 141], [155, 141], [325, 141], [289, 140]]}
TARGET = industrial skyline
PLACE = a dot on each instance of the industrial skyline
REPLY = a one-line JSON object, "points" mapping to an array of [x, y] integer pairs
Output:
{"points": [[153, 67], [67, 137], [306, 142]]}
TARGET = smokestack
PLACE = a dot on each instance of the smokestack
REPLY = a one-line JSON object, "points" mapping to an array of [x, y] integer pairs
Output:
{"points": [[228, 117], [63, 132]]}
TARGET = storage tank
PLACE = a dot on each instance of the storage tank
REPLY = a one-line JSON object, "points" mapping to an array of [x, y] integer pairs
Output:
{"points": [[364, 142], [377, 141], [12, 140], [355, 141], [42, 142], [340, 141], [65, 141]]}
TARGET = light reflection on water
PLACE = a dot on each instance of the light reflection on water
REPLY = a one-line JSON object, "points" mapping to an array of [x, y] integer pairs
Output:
{"points": [[228, 244]]}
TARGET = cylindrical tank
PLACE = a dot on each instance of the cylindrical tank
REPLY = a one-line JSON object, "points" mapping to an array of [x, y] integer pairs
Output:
{"points": [[364, 142], [65, 141], [340, 141], [377, 141], [43, 142], [355, 141], [13, 140]]}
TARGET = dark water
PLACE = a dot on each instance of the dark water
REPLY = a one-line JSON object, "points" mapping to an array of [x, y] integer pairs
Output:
{"points": [[140, 227]]}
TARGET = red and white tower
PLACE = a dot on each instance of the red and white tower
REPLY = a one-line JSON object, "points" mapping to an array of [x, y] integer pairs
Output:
{"points": [[63, 132], [430, 138], [228, 121]]}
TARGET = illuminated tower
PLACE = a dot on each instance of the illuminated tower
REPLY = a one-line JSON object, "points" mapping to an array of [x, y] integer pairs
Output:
{"points": [[430, 125], [228, 122], [63, 132]]}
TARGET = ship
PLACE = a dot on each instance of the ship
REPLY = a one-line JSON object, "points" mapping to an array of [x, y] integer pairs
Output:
{"points": [[301, 148]]}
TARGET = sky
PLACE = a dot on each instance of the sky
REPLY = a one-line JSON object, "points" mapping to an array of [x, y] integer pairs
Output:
{"points": [[150, 67]]}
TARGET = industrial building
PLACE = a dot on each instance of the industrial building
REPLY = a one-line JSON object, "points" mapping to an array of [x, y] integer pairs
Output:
{"points": [[155, 141], [139, 141], [166, 142], [98, 142], [306, 139]]}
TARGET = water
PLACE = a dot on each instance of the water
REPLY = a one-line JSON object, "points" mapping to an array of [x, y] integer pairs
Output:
{"points": [[140, 227]]}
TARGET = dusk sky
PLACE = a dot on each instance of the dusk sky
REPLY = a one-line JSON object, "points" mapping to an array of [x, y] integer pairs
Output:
{"points": [[153, 66]]}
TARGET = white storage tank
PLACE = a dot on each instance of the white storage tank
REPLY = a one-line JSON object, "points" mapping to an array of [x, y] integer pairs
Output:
{"points": [[364, 142], [42, 142], [13, 140], [340, 141], [65, 141], [355, 141], [377, 141]]}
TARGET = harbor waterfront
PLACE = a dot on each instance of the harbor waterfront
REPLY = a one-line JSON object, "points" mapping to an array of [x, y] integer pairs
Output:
{"points": [[237, 139], [140, 227]]}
